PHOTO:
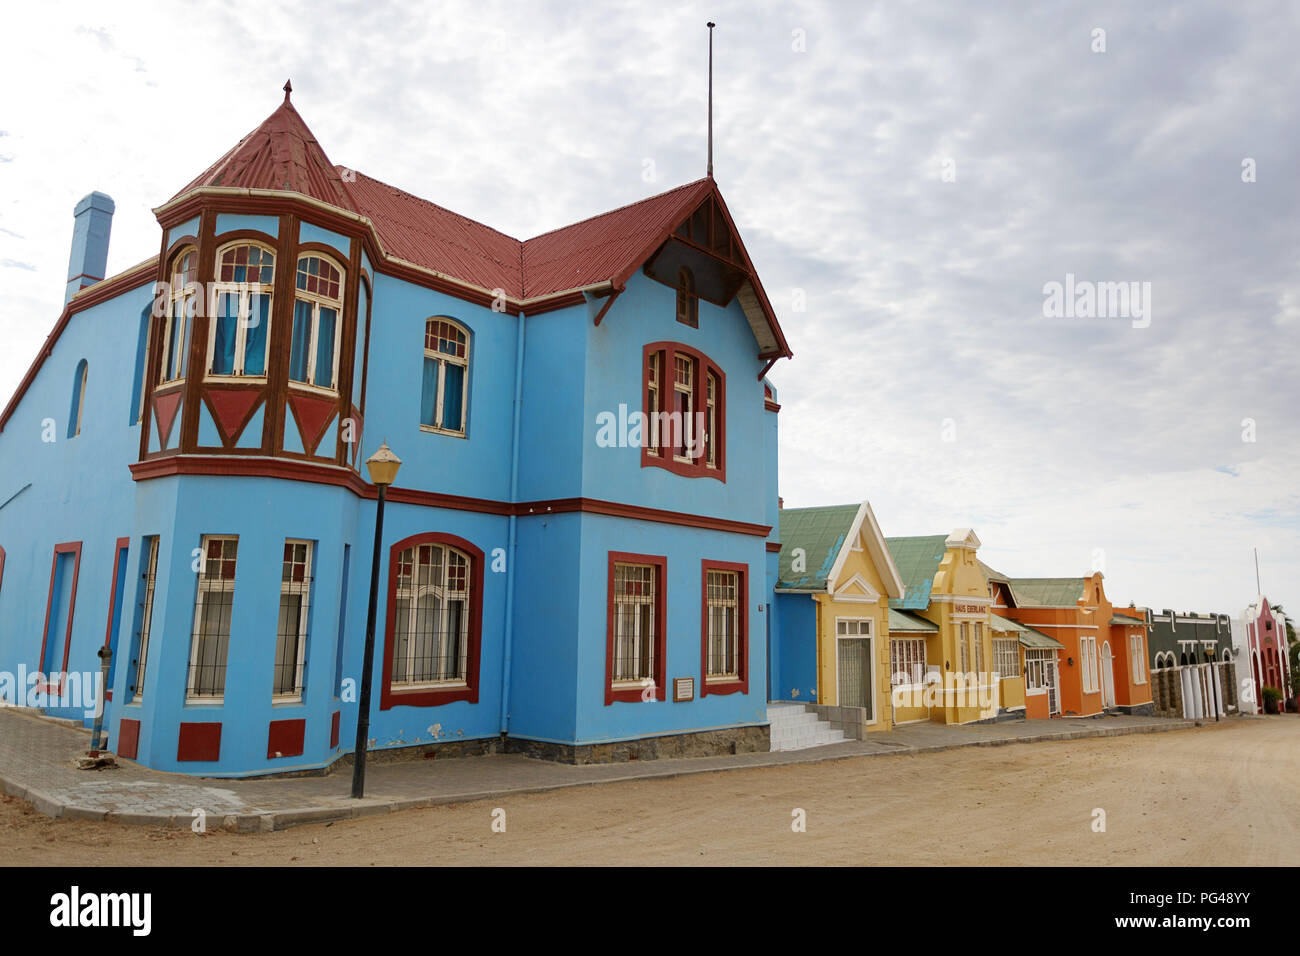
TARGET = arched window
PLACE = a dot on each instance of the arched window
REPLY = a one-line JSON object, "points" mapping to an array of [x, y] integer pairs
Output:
{"points": [[431, 647], [443, 405], [688, 303], [241, 320], [685, 407], [318, 303], [78, 399], [183, 295]]}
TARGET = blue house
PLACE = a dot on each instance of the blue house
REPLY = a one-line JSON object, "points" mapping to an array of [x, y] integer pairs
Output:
{"points": [[579, 551]]}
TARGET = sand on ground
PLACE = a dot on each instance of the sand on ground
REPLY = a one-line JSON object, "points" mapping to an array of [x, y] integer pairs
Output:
{"points": [[1223, 794]]}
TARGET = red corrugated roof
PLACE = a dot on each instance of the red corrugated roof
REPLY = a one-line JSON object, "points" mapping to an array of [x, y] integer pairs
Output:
{"points": [[282, 153]]}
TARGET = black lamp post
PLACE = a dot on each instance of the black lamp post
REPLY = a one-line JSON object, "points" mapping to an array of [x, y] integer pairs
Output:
{"points": [[382, 466]]}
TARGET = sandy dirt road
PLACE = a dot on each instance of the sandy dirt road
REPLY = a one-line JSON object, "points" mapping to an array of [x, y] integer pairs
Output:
{"points": [[1221, 795]]}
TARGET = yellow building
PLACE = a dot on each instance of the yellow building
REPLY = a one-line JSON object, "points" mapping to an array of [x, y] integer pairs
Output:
{"points": [[945, 586], [831, 617]]}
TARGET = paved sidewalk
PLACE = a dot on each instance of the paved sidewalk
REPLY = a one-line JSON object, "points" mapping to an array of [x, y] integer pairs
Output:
{"points": [[38, 764]]}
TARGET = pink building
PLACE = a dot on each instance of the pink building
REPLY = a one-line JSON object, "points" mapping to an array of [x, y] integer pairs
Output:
{"points": [[1262, 641]]}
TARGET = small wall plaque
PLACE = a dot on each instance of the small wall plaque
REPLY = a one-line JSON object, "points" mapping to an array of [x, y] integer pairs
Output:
{"points": [[683, 688]]}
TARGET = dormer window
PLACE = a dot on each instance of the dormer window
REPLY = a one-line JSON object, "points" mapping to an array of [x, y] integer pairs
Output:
{"points": [[688, 303], [241, 322], [180, 310], [318, 303]]}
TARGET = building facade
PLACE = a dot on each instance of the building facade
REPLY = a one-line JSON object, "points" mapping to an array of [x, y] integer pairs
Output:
{"points": [[1193, 664], [1101, 663], [578, 553], [1261, 649]]}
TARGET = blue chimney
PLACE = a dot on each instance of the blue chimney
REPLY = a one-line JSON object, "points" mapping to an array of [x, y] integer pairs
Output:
{"points": [[93, 219]]}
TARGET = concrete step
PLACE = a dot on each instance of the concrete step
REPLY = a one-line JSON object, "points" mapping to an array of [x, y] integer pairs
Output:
{"points": [[794, 727]]}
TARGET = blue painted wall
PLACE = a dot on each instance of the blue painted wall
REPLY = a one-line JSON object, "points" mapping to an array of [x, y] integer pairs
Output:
{"points": [[796, 677]]}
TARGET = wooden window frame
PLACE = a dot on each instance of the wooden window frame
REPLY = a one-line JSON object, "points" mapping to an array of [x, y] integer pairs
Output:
{"points": [[442, 358], [66, 547], [1137, 658], [621, 691], [183, 295], [390, 696], [725, 684], [245, 291], [712, 460], [317, 301], [688, 301]]}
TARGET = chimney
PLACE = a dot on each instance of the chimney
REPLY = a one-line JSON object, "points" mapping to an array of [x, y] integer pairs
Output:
{"points": [[780, 502], [92, 221]]}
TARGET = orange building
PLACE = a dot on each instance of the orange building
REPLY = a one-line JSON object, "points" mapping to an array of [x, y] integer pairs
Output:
{"points": [[1101, 663]]}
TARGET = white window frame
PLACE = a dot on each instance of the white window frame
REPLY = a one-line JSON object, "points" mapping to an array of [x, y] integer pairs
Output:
{"points": [[687, 418], [1006, 653], [963, 650], [980, 673], [146, 619], [1091, 670], [653, 373], [209, 586], [905, 655], [1036, 670], [866, 631], [442, 358], [636, 600], [445, 595], [316, 301], [732, 638], [245, 291], [1137, 655], [175, 323], [287, 588]]}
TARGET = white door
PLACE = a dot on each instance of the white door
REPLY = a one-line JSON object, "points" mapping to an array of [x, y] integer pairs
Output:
{"points": [[1053, 687], [1107, 676]]}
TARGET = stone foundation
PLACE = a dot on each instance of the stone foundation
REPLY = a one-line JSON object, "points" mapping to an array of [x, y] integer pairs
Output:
{"points": [[704, 743], [1137, 710]]}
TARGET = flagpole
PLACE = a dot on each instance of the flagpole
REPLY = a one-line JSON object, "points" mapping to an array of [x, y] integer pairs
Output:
{"points": [[711, 25]]}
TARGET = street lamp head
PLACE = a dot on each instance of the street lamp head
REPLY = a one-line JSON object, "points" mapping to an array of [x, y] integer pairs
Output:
{"points": [[383, 465]]}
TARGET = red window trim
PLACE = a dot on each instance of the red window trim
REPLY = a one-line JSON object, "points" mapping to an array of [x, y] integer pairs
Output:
{"points": [[740, 685], [633, 694], [388, 697], [703, 367], [73, 548]]}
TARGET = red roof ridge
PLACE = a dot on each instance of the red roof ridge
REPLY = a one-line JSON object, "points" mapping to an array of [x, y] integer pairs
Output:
{"points": [[422, 200], [608, 212]]}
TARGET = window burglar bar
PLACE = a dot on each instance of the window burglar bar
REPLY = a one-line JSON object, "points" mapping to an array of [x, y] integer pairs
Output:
{"points": [[146, 618], [724, 643], [210, 639], [432, 611], [291, 631], [634, 622], [1006, 656], [907, 661]]}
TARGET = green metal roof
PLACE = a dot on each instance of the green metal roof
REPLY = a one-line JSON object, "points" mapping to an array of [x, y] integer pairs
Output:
{"points": [[1005, 624], [820, 532], [903, 621], [1037, 639], [1048, 592], [917, 560], [1127, 621]]}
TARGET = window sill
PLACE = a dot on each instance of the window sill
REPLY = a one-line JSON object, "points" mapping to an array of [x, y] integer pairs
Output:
{"points": [[311, 389], [235, 379], [435, 430], [286, 700], [720, 686], [204, 701], [428, 695]]}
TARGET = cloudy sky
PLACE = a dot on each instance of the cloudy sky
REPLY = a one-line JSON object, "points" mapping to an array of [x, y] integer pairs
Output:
{"points": [[914, 174]]}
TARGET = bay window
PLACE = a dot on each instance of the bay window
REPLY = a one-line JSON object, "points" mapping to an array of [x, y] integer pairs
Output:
{"points": [[684, 403], [240, 324], [317, 306], [180, 312]]}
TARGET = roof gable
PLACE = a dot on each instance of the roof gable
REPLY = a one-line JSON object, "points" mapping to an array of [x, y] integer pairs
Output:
{"points": [[917, 559], [1048, 592], [816, 544]]}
